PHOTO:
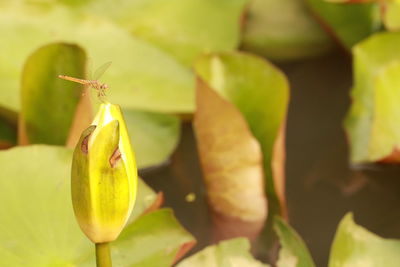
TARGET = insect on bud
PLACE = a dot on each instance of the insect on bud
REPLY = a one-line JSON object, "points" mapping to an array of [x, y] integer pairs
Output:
{"points": [[104, 176]]}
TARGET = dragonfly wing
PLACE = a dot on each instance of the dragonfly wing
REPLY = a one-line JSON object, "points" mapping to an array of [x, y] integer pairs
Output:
{"points": [[100, 71], [89, 69]]}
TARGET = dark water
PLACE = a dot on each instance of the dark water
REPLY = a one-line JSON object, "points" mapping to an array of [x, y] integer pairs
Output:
{"points": [[320, 187]]}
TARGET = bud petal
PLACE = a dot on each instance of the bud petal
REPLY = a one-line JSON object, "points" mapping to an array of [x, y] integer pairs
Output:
{"points": [[104, 176]]}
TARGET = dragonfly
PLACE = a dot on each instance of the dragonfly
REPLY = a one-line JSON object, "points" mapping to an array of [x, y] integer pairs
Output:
{"points": [[93, 83]]}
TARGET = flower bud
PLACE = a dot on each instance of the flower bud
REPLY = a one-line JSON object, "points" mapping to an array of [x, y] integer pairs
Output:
{"points": [[104, 176]]}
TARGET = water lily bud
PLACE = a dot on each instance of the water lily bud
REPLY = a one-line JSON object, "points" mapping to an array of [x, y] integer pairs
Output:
{"points": [[104, 176]]}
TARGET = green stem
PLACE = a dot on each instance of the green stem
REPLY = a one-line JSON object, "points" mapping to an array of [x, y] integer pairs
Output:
{"points": [[103, 255]]}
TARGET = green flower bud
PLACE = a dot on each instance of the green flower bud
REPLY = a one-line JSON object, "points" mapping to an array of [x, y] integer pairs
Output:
{"points": [[104, 176]]}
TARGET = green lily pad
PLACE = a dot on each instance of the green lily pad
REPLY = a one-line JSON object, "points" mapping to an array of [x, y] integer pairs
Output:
{"points": [[185, 29], [349, 23], [235, 252], [141, 77], [39, 227], [154, 136], [261, 92], [157, 245], [355, 246], [49, 103], [269, 31], [391, 17], [371, 122], [293, 253], [144, 200], [229, 253]]}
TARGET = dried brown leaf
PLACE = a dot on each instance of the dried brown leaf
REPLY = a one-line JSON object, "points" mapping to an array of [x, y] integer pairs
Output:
{"points": [[231, 160]]}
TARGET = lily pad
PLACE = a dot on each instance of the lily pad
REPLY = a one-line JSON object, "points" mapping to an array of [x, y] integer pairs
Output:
{"points": [[38, 224], [269, 31], [261, 93], [185, 29], [157, 245], [229, 253], [154, 136], [49, 103], [349, 23], [231, 160], [293, 252], [355, 246], [371, 122], [390, 10], [145, 199], [391, 17], [141, 77]]}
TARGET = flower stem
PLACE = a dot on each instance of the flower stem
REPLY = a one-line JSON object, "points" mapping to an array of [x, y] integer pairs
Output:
{"points": [[103, 255]]}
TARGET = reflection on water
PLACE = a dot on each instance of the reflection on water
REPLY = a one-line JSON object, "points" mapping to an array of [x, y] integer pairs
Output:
{"points": [[321, 186]]}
